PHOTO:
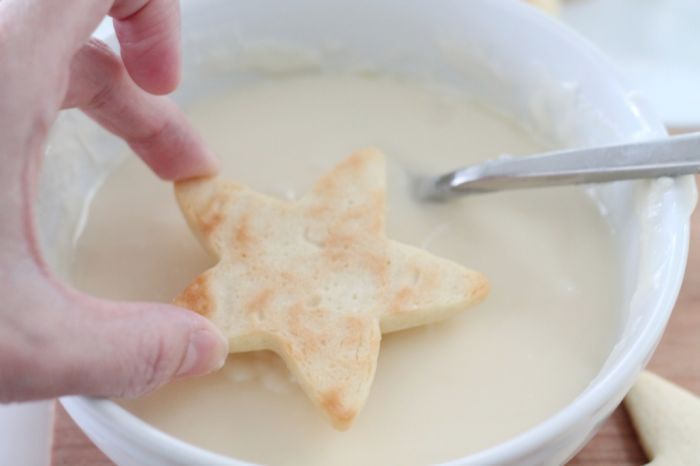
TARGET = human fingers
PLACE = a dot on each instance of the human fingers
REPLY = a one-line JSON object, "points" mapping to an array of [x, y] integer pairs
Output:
{"points": [[153, 126], [66, 343], [149, 36], [148, 31]]}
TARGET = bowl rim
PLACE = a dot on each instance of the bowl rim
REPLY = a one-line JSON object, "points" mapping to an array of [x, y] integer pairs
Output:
{"points": [[595, 396]]}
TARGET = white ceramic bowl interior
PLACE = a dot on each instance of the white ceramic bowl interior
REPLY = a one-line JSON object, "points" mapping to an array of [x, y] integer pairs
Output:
{"points": [[500, 51]]}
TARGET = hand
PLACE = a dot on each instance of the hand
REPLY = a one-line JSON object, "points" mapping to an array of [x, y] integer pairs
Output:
{"points": [[53, 339]]}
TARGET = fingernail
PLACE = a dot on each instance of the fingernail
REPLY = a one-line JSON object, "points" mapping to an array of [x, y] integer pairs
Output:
{"points": [[206, 352]]}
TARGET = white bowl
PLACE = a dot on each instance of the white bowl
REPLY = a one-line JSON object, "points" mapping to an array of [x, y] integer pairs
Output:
{"points": [[507, 54]]}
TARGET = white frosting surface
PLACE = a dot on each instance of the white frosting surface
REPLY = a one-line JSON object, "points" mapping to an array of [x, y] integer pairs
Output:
{"points": [[441, 391]]}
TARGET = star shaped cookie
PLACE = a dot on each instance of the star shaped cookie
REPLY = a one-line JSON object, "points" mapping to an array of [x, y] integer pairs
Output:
{"points": [[316, 280]]}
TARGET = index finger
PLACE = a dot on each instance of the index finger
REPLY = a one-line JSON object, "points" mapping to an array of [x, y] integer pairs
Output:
{"points": [[149, 35]]}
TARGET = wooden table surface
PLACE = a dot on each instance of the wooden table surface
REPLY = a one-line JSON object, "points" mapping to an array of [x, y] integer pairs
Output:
{"points": [[677, 359]]}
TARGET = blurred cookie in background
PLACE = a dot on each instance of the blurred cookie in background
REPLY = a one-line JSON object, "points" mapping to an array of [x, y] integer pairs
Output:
{"points": [[550, 6]]}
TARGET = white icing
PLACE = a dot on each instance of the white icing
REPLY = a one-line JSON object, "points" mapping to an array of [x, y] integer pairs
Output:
{"points": [[446, 390]]}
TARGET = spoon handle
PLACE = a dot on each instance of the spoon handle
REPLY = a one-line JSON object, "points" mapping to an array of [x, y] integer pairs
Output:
{"points": [[674, 156]]}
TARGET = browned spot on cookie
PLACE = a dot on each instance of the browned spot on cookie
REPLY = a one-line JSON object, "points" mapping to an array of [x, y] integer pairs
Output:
{"points": [[351, 167], [354, 329], [325, 187], [345, 250], [480, 288], [211, 215], [287, 280], [354, 164], [378, 263], [259, 303], [298, 326], [328, 186], [401, 299], [242, 235], [332, 402], [196, 296], [210, 223], [354, 324], [376, 220], [337, 247]]}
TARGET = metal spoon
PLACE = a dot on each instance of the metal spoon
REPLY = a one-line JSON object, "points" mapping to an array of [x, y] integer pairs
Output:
{"points": [[674, 156]]}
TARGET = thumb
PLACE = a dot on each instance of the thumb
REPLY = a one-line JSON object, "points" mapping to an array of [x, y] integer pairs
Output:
{"points": [[130, 349]]}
